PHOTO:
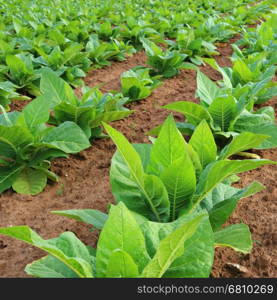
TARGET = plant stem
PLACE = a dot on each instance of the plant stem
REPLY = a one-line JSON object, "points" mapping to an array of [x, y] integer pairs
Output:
{"points": [[248, 155]]}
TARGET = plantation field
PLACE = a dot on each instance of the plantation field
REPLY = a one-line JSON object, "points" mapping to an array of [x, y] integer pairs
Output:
{"points": [[182, 182]]}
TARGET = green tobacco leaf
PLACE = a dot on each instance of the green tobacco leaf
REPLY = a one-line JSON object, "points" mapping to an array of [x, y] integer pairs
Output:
{"points": [[180, 181], [16, 135], [266, 129], [243, 71], [224, 202], [49, 267], [67, 137], [9, 119], [67, 248], [144, 151], [36, 112], [202, 141], [128, 153], [212, 62], [235, 236], [121, 265], [222, 110], [90, 216], [157, 199], [193, 112], [8, 176], [30, 182], [244, 141], [109, 116], [127, 237], [168, 147], [219, 171], [207, 90], [127, 170], [198, 257], [170, 248], [55, 89], [16, 65], [126, 189], [7, 151]]}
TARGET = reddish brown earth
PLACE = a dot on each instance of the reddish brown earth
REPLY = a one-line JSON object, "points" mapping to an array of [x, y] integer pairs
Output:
{"points": [[84, 183]]}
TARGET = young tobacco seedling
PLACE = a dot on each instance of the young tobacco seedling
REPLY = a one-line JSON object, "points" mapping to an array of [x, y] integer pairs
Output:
{"points": [[87, 111], [21, 73], [254, 73], [194, 47], [27, 145], [137, 84], [166, 63], [227, 111], [124, 249]]}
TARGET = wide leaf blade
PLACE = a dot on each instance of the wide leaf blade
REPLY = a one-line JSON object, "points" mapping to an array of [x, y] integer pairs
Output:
{"points": [[236, 236], [121, 232]]}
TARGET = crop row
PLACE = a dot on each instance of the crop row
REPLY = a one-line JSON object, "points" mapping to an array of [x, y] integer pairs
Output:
{"points": [[172, 196], [73, 37]]}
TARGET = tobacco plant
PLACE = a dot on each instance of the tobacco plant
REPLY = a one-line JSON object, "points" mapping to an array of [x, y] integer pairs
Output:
{"points": [[166, 63], [137, 84], [28, 145], [228, 112], [123, 249], [87, 111]]}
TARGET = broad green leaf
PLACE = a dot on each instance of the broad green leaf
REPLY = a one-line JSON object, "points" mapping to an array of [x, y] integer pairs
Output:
{"points": [[67, 248], [180, 181], [55, 89], [8, 175], [90, 216], [67, 137], [30, 182], [193, 112], [126, 189], [157, 199], [16, 135], [9, 119], [222, 110], [109, 116], [49, 267], [36, 112], [7, 152], [244, 141], [168, 147], [128, 153], [235, 236], [121, 265], [243, 71], [202, 141], [149, 190], [223, 204], [144, 151], [120, 232], [212, 62], [207, 90], [170, 248], [266, 129], [197, 259], [218, 171], [17, 67]]}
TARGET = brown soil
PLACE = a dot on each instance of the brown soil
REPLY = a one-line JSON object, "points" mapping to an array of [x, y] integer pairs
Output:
{"points": [[84, 183]]}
